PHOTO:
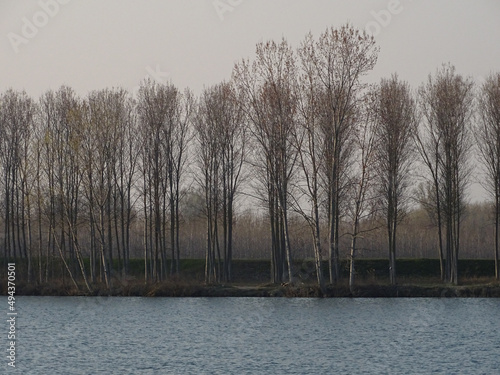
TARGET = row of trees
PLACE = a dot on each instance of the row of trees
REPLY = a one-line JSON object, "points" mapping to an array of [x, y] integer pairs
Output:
{"points": [[296, 129], [73, 171]]}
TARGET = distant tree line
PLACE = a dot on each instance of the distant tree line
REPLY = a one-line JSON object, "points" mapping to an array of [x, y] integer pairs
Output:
{"points": [[297, 129]]}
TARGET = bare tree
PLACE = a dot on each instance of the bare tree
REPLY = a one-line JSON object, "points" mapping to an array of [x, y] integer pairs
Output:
{"points": [[340, 58], [310, 146], [178, 157], [394, 111], [125, 174], [17, 113], [221, 135], [47, 124], [487, 133], [38, 184], [444, 143], [267, 85], [362, 196], [164, 114], [109, 161], [208, 161], [60, 121], [153, 108]]}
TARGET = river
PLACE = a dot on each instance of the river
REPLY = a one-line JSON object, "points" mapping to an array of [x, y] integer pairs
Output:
{"points": [[122, 335]]}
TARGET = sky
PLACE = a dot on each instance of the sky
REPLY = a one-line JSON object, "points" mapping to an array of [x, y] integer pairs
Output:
{"points": [[94, 44]]}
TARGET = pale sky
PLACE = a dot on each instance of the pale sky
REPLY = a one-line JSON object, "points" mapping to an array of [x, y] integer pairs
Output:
{"points": [[93, 44]]}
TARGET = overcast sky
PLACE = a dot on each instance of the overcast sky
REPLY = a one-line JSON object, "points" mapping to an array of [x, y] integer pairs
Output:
{"points": [[93, 44]]}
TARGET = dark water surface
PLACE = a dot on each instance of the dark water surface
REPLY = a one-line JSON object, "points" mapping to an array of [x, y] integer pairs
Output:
{"points": [[119, 335]]}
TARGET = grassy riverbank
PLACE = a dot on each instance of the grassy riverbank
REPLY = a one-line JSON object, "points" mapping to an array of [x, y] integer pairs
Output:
{"points": [[417, 278], [418, 288]]}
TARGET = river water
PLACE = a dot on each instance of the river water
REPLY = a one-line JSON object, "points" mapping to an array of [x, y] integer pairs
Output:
{"points": [[121, 335]]}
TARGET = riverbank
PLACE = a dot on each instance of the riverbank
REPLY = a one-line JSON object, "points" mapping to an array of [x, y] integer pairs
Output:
{"points": [[416, 278], [185, 289]]}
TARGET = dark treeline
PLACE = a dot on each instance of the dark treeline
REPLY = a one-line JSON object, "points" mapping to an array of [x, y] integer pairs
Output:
{"points": [[338, 168]]}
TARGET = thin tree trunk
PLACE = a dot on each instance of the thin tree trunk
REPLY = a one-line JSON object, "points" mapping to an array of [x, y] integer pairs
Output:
{"points": [[352, 256], [497, 234], [230, 240], [177, 226], [317, 246], [288, 250], [68, 269]]}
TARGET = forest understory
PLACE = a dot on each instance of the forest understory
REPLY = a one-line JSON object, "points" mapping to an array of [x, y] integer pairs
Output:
{"points": [[417, 278]]}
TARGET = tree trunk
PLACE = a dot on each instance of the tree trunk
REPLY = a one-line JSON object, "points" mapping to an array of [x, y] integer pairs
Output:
{"points": [[351, 266], [497, 234]]}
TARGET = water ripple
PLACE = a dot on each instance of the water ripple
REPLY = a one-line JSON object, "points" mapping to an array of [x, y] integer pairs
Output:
{"points": [[98, 335]]}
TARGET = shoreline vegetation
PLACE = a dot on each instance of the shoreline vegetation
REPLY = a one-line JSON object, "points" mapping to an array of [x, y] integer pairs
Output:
{"points": [[295, 156], [182, 289], [419, 278]]}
